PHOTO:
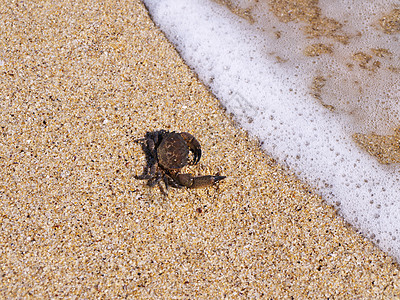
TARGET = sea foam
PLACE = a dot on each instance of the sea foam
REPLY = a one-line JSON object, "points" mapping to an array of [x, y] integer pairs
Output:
{"points": [[305, 108]]}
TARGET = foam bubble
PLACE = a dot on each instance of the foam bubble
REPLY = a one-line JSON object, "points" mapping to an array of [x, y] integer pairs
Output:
{"points": [[259, 72]]}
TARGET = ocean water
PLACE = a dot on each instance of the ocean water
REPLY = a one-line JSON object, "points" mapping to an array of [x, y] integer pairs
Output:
{"points": [[304, 89]]}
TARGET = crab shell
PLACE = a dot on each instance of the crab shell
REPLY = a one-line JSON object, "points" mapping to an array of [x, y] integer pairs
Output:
{"points": [[173, 152]]}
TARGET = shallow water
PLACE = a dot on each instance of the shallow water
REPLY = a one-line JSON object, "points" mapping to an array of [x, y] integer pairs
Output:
{"points": [[305, 92]]}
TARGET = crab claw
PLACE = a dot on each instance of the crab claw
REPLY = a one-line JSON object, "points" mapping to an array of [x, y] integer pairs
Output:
{"points": [[193, 145], [189, 181]]}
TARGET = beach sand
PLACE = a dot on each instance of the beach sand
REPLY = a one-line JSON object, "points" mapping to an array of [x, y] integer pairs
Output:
{"points": [[79, 83]]}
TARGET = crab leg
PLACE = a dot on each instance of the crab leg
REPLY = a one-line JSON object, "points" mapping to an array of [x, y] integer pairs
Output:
{"points": [[197, 182], [193, 145]]}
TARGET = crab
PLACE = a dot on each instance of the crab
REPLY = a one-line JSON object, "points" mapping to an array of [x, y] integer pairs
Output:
{"points": [[167, 153]]}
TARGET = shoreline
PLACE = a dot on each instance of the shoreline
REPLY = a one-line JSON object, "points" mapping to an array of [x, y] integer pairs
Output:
{"points": [[77, 223]]}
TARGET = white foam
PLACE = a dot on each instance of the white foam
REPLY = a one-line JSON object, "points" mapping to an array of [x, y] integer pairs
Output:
{"points": [[271, 99]]}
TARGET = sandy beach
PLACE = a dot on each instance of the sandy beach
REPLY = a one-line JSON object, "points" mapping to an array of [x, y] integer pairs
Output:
{"points": [[79, 83]]}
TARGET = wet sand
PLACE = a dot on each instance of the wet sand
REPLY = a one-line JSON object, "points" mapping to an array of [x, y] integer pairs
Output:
{"points": [[79, 83]]}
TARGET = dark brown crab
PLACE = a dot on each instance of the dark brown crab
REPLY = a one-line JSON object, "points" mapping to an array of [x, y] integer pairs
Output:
{"points": [[167, 153]]}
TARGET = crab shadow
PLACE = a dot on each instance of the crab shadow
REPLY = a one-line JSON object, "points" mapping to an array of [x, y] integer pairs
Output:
{"points": [[150, 158]]}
